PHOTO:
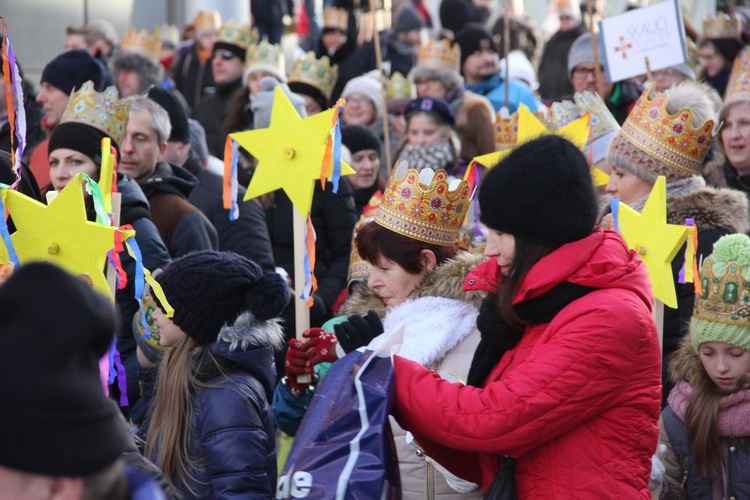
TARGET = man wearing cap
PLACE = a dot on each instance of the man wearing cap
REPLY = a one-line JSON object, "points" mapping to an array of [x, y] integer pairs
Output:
{"points": [[553, 68], [480, 67], [620, 97], [62, 75], [248, 235]]}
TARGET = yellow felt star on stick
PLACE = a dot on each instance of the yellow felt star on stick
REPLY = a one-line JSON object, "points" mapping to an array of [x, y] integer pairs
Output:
{"points": [[289, 152], [656, 241], [61, 234]]}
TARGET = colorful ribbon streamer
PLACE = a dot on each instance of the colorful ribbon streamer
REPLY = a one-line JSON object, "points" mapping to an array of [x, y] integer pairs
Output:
{"points": [[16, 112], [231, 185], [615, 207], [332, 154], [142, 274], [4, 231], [311, 284]]}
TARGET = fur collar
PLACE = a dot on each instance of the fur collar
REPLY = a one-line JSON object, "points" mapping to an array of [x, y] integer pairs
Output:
{"points": [[711, 208], [685, 365], [713, 171], [247, 332]]}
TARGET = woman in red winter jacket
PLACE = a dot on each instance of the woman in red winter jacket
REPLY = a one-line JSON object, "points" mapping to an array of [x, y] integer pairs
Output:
{"points": [[566, 378]]}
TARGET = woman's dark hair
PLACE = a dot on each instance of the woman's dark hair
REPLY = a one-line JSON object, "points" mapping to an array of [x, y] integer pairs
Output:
{"points": [[527, 254], [375, 242], [727, 47]]}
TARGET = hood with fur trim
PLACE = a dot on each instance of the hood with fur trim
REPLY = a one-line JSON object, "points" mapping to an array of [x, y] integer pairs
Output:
{"points": [[445, 281], [684, 364], [711, 208]]}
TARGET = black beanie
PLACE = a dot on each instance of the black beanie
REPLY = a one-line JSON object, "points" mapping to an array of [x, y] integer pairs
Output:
{"points": [[79, 137], [310, 91], [177, 115], [209, 289], [542, 191], [70, 70], [358, 138], [54, 416], [455, 14], [408, 20], [470, 40], [432, 105]]}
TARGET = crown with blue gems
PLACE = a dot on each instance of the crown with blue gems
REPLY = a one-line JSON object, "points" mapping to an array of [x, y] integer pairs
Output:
{"points": [[102, 110], [426, 205], [240, 36], [265, 55], [315, 72]]}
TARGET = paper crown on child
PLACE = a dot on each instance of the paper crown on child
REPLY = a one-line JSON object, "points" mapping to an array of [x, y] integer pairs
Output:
{"points": [[603, 125], [266, 57], [425, 206], [669, 138], [207, 20], [334, 18], [102, 110], [317, 73], [360, 269], [142, 43], [722, 26], [722, 312], [400, 87], [440, 55], [239, 36]]}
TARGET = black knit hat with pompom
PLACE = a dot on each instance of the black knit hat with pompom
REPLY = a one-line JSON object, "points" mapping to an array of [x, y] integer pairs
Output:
{"points": [[209, 289]]}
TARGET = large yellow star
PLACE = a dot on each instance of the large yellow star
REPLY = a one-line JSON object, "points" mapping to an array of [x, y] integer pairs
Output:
{"points": [[61, 234], [655, 240], [289, 152], [529, 128]]}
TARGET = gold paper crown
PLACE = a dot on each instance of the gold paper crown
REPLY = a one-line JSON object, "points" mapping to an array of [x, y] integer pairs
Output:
{"points": [[506, 130], [722, 26], [315, 72], [140, 42], [360, 269], [726, 297], [400, 87], [101, 110], [265, 55], [207, 19], [240, 36], [671, 139], [424, 205], [738, 89], [440, 55], [168, 33], [740, 65], [602, 121], [336, 19]]}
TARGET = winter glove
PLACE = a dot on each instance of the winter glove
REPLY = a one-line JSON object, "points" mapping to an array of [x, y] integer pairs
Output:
{"points": [[297, 359], [358, 331], [262, 102], [657, 469], [321, 346]]}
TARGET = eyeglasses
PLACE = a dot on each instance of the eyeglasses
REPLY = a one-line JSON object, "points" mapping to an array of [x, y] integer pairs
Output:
{"points": [[582, 73], [358, 100], [225, 54], [425, 81]]}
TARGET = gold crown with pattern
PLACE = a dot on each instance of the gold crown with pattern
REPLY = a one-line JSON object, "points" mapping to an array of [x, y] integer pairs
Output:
{"points": [[669, 138], [102, 110], [360, 269], [207, 20], [425, 206], [142, 43], [240, 36], [722, 26], [440, 55], [506, 130], [317, 73], [334, 18], [740, 65], [400, 87], [265, 55], [738, 89], [725, 297]]}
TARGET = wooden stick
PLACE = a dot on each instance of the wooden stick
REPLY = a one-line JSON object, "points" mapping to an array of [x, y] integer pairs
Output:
{"points": [[384, 101], [301, 311], [597, 64], [506, 51], [649, 74]]}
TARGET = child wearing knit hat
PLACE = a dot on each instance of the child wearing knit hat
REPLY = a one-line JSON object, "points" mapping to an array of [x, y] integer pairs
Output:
{"points": [[706, 427], [211, 431]]}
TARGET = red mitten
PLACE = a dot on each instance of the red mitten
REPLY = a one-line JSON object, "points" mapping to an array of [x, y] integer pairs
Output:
{"points": [[321, 346], [297, 359]]}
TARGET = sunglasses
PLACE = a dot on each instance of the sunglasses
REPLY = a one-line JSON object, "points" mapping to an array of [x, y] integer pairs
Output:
{"points": [[225, 54]]}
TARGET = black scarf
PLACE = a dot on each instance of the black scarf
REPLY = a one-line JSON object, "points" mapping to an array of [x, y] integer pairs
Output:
{"points": [[498, 336]]}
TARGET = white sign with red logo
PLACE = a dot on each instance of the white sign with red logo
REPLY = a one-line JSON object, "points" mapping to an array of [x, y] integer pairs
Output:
{"points": [[655, 32]]}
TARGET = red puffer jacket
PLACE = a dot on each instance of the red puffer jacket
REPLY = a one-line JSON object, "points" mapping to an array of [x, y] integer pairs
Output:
{"points": [[576, 401]]}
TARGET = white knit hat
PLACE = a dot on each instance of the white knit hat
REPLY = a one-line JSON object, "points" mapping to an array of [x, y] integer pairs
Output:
{"points": [[369, 86]]}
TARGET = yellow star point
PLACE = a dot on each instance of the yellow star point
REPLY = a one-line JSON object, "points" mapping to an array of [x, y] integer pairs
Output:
{"points": [[289, 152], [656, 241], [61, 234]]}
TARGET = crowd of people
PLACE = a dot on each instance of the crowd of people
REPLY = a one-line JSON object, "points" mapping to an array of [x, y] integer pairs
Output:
{"points": [[531, 353]]}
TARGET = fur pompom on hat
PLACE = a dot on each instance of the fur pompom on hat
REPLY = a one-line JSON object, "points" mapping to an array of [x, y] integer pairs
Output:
{"points": [[541, 191], [209, 289]]}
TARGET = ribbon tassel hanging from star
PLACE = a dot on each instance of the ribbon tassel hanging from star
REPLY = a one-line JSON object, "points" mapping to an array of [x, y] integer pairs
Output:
{"points": [[15, 98]]}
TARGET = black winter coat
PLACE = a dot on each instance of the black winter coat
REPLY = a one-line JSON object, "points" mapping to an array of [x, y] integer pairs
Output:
{"points": [[554, 80], [212, 110], [193, 78]]}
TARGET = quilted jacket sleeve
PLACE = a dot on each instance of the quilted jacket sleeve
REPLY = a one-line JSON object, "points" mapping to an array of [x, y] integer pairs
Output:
{"points": [[582, 367]]}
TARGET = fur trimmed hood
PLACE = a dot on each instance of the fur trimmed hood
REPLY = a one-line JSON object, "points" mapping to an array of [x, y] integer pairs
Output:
{"points": [[684, 364], [711, 208], [713, 171], [445, 281]]}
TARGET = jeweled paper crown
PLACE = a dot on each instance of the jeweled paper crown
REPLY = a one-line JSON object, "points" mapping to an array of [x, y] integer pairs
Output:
{"points": [[360, 269], [726, 297], [240, 36], [424, 205], [265, 54], [101, 110], [400, 87], [315, 72], [602, 122], [722, 26], [740, 65], [440, 55], [142, 43], [670, 138], [738, 89], [335, 19], [207, 19], [506, 130]]}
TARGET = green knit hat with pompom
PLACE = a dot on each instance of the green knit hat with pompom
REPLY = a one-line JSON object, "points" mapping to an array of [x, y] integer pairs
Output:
{"points": [[722, 310]]}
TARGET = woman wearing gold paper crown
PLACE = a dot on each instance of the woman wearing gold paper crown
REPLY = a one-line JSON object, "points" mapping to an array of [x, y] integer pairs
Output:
{"points": [[417, 274], [565, 380], [705, 428], [75, 146], [670, 134]]}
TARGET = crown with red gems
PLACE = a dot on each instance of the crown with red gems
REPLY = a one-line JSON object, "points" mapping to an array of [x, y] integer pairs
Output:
{"points": [[425, 206], [440, 55], [669, 138], [101, 110], [506, 130], [360, 269], [315, 72], [142, 43], [722, 26]]}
